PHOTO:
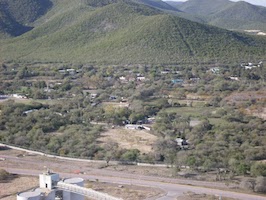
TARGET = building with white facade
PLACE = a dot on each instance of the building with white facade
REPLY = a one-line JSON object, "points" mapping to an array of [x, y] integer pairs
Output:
{"points": [[51, 187]]}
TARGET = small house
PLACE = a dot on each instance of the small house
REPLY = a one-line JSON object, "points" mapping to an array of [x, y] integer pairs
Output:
{"points": [[182, 143], [177, 81]]}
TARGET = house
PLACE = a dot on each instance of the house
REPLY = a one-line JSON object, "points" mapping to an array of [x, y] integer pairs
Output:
{"points": [[165, 72], [122, 78], [251, 65], [112, 98], [4, 96], [182, 143], [18, 96], [177, 81], [136, 127], [215, 70], [234, 78], [29, 111], [71, 71], [65, 71], [194, 80], [93, 93], [141, 78]]}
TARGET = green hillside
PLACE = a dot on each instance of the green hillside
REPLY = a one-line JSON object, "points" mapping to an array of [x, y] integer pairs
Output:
{"points": [[204, 7], [16, 16], [226, 14], [240, 15], [126, 32], [157, 4], [26, 11]]}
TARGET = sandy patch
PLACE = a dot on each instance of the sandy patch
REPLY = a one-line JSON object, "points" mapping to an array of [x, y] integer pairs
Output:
{"points": [[130, 192], [194, 196], [10, 189], [130, 139]]}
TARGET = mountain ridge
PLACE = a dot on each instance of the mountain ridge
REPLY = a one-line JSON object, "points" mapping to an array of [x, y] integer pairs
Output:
{"points": [[227, 14], [127, 32]]}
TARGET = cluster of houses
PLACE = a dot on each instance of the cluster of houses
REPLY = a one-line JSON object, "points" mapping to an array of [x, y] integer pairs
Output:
{"points": [[139, 78], [68, 71], [251, 65]]}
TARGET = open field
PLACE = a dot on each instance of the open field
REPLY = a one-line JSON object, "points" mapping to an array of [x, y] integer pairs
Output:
{"points": [[196, 112], [30, 101], [116, 104], [126, 192], [129, 139], [10, 189], [243, 97]]}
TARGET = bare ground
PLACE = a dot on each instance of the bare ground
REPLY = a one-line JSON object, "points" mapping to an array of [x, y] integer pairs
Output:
{"points": [[9, 190], [126, 192], [130, 139], [194, 196]]}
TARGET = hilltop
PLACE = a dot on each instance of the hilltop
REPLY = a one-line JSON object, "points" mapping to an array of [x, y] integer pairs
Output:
{"points": [[204, 7], [123, 31], [158, 4], [226, 14], [240, 15]]}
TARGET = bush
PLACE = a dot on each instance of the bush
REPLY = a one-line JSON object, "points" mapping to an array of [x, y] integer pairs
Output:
{"points": [[258, 169], [131, 155], [4, 175]]}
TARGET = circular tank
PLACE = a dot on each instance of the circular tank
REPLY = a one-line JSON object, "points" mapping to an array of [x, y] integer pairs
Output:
{"points": [[35, 195], [70, 195], [75, 181]]}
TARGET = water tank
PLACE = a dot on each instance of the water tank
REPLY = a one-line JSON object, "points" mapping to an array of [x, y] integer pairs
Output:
{"points": [[70, 195], [75, 181], [35, 195]]}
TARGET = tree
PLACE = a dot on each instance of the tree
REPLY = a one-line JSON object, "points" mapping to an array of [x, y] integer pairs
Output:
{"points": [[131, 155], [23, 73], [111, 149], [4, 175], [258, 169]]}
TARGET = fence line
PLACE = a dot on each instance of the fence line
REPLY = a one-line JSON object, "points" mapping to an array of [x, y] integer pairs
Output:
{"points": [[85, 160]]}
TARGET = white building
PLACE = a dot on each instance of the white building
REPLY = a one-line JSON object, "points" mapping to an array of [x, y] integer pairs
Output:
{"points": [[53, 188]]}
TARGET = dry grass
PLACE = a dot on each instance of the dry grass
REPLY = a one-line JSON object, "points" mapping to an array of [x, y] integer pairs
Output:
{"points": [[10, 189], [259, 112], [116, 104], [130, 139], [242, 97], [194, 196], [125, 192]]}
